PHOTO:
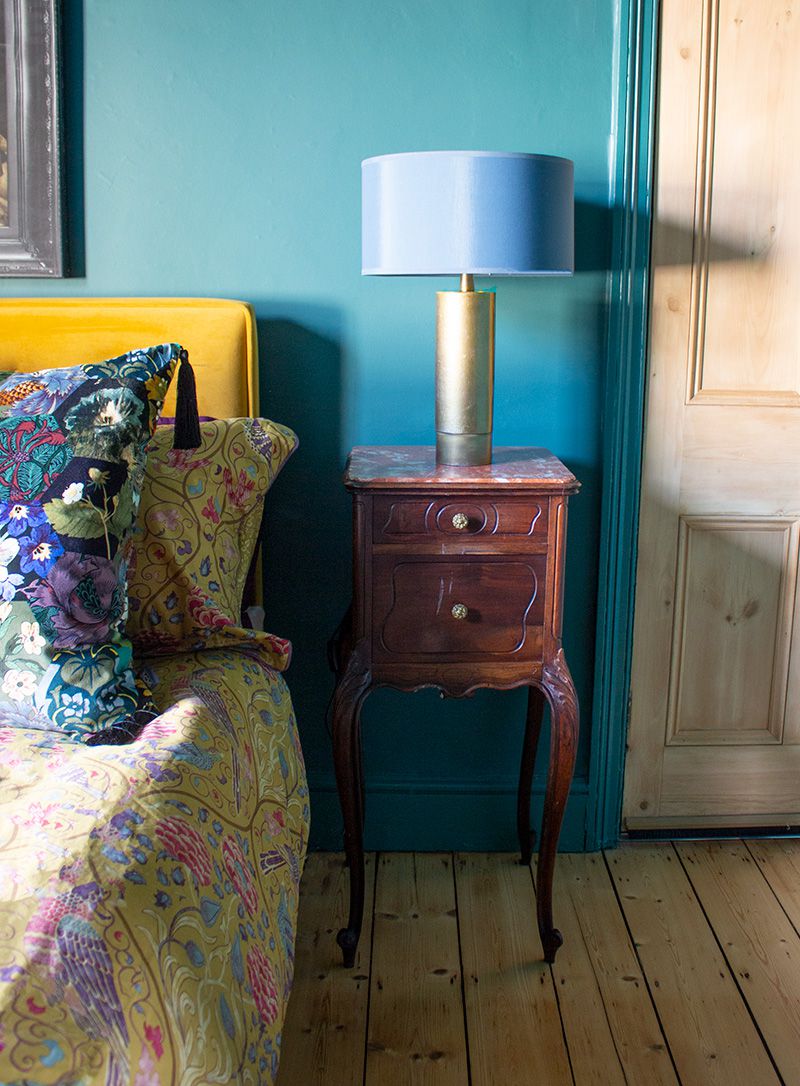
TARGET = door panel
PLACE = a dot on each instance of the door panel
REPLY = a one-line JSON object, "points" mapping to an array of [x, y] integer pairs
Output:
{"points": [[750, 316], [715, 694], [732, 634]]}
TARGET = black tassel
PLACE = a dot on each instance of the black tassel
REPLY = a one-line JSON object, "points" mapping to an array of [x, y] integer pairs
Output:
{"points": [[187, 422]]}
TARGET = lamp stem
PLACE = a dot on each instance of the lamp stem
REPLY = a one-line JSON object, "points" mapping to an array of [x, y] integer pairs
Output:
{"points": [[464, 375]]}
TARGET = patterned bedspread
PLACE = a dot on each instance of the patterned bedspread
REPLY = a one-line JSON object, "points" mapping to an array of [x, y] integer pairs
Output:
{"points": [[148, 892]]}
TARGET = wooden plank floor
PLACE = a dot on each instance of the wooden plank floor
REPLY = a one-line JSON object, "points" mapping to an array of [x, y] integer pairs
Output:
{"points": [[680, 965]]}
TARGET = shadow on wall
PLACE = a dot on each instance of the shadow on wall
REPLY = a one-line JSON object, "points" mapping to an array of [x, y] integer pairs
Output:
{"points": [[594, 223], [307, 540], [593, 232]]}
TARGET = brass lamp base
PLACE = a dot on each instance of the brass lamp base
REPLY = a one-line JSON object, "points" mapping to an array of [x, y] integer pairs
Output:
{"points": [[467, 450], [464, 375]]}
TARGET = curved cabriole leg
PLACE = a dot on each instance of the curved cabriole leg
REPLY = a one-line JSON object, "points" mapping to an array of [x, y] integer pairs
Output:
{"points": [[533, 727], [556, 682], [351, 689]]}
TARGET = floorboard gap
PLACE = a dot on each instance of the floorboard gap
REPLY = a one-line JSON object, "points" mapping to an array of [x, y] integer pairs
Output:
{"points": [[553, 979], [635, 949], [773, 891], [731, 970], [371, 952], [461, 970]]}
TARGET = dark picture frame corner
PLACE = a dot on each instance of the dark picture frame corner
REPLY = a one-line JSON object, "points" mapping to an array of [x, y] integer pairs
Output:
{"points": [[31, 141]]}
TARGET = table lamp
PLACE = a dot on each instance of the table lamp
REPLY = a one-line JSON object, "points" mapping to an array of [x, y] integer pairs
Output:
{"points": [[466, 213]]}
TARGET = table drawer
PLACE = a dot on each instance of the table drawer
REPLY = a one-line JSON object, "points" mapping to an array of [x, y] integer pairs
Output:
{"points": [[472, 608], [420, 519]]}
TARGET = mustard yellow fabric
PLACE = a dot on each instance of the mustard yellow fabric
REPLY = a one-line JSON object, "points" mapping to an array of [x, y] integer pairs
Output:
{"points": [[219, 334], [148, 892], [196, 532]]}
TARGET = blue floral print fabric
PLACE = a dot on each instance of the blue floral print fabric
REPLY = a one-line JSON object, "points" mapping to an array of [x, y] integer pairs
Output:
{"points": [[72, 451]]}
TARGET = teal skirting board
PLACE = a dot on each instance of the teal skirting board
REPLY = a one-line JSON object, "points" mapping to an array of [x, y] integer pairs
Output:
{"points": [[470, 816]]}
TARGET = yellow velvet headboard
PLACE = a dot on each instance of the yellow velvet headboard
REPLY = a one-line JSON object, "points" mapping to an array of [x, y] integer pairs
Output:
{"points": [[39, 333]]}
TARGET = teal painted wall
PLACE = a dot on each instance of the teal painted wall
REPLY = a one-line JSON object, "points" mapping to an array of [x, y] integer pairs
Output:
{"points": [[219, 146]]}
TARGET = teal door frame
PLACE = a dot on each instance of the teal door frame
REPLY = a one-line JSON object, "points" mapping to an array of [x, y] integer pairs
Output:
{"points": [[623, 414]]}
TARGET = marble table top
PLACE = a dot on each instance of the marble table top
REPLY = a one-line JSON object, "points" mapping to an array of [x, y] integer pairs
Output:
{"points": [[409, 466]]}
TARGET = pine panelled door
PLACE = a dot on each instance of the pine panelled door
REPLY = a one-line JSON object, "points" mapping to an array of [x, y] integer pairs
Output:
{"points": [[715, 703]]}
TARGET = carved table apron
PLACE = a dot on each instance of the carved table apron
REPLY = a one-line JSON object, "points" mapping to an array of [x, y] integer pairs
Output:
{"points": [[457, 584]]}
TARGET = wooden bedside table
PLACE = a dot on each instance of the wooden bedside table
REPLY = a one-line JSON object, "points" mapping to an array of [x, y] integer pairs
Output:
{"points": [[458, 584]]}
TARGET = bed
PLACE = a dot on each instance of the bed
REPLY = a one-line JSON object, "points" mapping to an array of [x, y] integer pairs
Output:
{"points": [[148, 890]]}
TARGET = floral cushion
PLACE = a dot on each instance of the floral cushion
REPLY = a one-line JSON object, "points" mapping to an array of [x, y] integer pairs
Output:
{"points": [[72, 450], [197, 531]]}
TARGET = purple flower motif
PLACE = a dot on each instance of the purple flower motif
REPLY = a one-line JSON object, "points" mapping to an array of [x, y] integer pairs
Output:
{"points": [[19, 518], [39, 550], [120, 821], [159, 772], [86, 597]]}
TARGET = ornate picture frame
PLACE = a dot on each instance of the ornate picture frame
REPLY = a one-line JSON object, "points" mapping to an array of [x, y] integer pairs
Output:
{"points": [[31, 186]]}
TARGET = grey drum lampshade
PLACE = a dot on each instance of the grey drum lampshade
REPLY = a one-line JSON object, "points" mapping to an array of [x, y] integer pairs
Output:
{"points": [[467, 212]]}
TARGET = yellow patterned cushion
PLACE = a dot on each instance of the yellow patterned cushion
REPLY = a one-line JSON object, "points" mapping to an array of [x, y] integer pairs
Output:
{"points": [[197, 531]]}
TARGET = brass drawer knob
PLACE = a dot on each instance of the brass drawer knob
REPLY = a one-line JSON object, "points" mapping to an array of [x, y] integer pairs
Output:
{"points": [[459, 610], [460, 521]]}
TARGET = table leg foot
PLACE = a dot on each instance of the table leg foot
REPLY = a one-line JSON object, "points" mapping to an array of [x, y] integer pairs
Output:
{"points": [[347, 939], [551, 941]]}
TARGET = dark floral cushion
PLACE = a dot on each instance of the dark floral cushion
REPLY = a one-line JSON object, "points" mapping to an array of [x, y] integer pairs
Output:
{"points": [[72, 451]]}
